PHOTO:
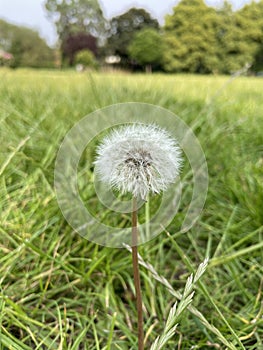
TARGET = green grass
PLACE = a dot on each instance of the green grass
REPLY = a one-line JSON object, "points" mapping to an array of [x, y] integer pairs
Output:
{"points": [[59, 291]]}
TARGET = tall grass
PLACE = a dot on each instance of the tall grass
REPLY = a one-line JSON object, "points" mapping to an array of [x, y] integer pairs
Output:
{"points": [[59, 291]]}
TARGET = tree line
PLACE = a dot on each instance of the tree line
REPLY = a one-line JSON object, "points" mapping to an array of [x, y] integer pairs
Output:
{"points": [[195, 38], [23, 47]]}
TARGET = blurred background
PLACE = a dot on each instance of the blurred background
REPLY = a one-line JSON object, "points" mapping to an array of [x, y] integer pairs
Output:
{"points": [[196, 36]]}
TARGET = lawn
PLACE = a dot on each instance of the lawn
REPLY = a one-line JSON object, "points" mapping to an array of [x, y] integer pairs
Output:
{"points": [[60, 291]]}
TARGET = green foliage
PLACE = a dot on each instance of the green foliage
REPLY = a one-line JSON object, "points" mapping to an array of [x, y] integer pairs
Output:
{"points": [[230, 48], [76, 16], [250, 20], [201, 39], [86, 58], [28, 49], [79, 23], [124, 27], [240, 36], [147, 47], [190, 38]]}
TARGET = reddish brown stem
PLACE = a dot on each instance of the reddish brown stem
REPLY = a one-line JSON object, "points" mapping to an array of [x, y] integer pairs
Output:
{"points": [[136, 275]]}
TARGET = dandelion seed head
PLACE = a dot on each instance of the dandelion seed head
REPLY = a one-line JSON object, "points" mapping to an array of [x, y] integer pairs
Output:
{"points": [[138, 159]]}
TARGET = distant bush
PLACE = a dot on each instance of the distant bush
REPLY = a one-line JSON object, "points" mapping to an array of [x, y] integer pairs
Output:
{"points": [[86, 59]]}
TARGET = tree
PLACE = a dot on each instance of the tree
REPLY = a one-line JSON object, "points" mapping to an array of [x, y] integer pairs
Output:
{"points": [[250, 20], [77, 23], [239, 36], [27, 48], [76, 16], [190, 38], [124, 27], [258, 63], [78, 42], [147, 48], [201, 39]]}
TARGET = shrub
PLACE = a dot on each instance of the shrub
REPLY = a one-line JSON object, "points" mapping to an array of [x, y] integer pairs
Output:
{"points": [[86, 59]]}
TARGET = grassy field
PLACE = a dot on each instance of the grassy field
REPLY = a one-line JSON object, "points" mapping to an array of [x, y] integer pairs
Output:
{"points": [[59, 291]]}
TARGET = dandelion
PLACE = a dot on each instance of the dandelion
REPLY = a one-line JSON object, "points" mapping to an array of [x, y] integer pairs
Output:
{"points": [[138, 159]]}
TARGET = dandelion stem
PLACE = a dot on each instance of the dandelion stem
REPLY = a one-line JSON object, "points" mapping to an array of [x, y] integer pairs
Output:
{"points": [[136, 275]]}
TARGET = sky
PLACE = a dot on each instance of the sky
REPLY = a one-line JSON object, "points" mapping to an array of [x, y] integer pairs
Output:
{"points": [[31, 13]]}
